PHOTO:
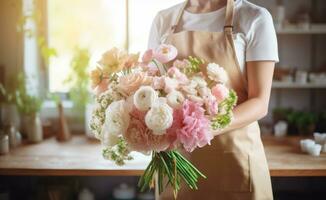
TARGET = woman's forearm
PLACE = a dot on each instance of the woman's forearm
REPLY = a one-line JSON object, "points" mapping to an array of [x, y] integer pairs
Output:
{"points": [[246, 113], [259, 75]]}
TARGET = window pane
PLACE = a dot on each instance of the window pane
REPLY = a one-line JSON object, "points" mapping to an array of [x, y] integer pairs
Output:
{"points": [[93, 24], [141, 15]]}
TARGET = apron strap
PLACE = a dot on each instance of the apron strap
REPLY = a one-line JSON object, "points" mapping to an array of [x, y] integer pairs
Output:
{"points": [[177, 20], [229, 14]]}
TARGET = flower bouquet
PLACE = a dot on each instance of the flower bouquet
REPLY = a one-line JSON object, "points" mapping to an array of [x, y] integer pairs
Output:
{"points": [[158, 105]]}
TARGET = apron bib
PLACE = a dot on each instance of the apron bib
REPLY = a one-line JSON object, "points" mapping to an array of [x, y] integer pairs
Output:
{"points": [[235, 162]]}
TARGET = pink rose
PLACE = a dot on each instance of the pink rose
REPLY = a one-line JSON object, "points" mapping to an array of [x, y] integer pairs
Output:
{"points": [[220, 92], [140, 138], [181, 77], [128, 84], [165, 53], [190, 126]]}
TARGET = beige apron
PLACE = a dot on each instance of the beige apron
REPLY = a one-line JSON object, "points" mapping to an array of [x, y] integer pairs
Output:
{"points": [[235, 162]]}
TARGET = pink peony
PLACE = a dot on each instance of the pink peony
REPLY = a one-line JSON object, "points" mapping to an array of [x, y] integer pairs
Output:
{"points": [[220, 92], [190, 126], [181, 77], [140, 138], [165, 53]]}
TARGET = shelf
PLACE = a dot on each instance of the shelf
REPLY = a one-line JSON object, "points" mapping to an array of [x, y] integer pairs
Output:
{"points": [[293, 85], [293, 29]]}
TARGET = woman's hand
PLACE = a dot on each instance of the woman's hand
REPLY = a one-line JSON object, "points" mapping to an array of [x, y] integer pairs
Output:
{"points": [[260, 77]]}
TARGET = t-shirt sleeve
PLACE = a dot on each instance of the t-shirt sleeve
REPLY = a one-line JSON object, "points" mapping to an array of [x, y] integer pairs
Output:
{"points": [[154, 36], [261, 39]]}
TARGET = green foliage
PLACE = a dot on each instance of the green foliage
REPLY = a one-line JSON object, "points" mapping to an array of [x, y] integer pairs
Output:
{"points": [[194, 66], [302, 119], [6, 96], [118, 153], [78, 78], [224, 117], [35, 16], [26, 103]]}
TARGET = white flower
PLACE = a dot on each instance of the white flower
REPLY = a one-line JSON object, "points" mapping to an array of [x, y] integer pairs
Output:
{"points": [[170, 84], [144, 98], [195, 98], [216, 73], [109, 140], [190, 89], [205, 93], [159, 118], [200, 81], [116, 118], [175, 99]]}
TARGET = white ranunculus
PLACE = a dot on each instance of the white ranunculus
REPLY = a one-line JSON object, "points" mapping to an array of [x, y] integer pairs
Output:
{"points": [[159, 118], [216, 73], [175, 99], [116, 118], [144, 98], [200, 81]]}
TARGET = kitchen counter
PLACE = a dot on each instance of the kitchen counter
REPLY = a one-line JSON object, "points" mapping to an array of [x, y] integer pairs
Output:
{"points": [[285, 158], [82, 157], [79, 156]]}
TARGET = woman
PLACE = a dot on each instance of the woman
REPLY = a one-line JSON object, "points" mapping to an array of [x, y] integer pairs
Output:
{"points": [[240, 37]]}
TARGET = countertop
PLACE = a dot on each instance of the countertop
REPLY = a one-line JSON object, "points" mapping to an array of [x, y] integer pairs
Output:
{"points": [[82, 157]]}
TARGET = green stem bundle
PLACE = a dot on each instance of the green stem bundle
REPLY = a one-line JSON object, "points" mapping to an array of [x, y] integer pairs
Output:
{"points": [[173, 166]]}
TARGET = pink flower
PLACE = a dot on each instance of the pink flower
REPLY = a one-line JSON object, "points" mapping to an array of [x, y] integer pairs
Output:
{"points": [[158, 82], [101, 87], [211, 106], [152, 69], [190, 126], [220, 92], [181, 77], [165, 53], [181, 64], [148, 56], [128, 84], [140, 138]]}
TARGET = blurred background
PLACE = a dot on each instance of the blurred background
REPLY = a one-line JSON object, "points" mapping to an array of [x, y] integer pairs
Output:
{"points": [[47, 48]]}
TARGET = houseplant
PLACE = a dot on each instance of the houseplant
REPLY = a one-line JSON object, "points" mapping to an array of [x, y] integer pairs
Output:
{"points": [[29, 107], [78, 81], [9, 113]]}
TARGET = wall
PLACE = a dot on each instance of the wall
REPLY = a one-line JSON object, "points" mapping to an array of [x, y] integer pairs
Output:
{"points": [[11, 44]]}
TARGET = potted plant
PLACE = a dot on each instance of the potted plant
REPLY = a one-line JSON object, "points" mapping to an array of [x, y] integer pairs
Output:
{"points": [[29, 107], [281, 114], [78, 80], [9, 113], [306, 123]]}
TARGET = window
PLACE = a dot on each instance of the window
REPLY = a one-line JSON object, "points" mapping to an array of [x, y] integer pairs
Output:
{"points": [[97, 25]]}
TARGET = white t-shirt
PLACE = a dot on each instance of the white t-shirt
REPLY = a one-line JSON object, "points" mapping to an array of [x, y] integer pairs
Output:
{"points": [[255, 37]]}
